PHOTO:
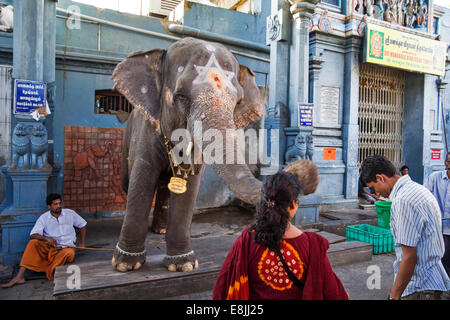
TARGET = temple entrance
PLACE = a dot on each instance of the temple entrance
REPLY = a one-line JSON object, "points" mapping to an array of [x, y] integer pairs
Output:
{"points": [[380, 112]]}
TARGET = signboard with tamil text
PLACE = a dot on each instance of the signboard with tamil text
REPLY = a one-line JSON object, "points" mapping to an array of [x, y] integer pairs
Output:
{"points": [[305, 115], [29, 96], [404, 51]]}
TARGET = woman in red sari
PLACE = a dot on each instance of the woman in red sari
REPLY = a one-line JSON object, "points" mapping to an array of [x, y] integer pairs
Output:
{"points": [[253, 268]]}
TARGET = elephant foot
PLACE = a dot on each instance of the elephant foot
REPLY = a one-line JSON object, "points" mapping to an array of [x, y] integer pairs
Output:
{"points": [[123, 261], [181, 263]]}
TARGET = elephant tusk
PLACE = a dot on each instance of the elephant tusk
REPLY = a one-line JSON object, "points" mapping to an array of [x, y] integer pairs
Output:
{"points": [[189, 148]]}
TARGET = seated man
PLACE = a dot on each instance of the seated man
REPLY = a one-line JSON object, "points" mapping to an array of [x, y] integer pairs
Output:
{"points": [[404, 170], [367, 193], [51, 240]]}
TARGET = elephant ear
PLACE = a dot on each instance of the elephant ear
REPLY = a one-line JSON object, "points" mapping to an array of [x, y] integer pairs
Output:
{"points": [[250, 109], [139, 79]]}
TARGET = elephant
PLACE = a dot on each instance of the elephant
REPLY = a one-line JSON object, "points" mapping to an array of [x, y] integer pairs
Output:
{"points": [[192, 81]]}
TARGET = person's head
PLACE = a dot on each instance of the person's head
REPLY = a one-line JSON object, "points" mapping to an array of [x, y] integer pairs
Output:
{"points": [[306, 173], [54, 203], [404, 170], [279, 202], [379, 174]]}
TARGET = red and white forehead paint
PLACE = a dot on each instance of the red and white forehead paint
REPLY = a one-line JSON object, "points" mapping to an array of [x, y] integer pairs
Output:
{"points": [[213, 73]]}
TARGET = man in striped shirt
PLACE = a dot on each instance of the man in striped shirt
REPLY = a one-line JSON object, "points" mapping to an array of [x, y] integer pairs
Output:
{"points": [[416, 228], [439, 185]]}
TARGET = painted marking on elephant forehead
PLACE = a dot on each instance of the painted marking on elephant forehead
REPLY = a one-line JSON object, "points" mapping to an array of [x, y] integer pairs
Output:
{"points": [[210, 47], [213, 73]]}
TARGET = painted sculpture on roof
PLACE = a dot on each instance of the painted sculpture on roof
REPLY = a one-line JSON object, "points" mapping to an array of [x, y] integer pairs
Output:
{"points": [[408, 13], [7, 18]]}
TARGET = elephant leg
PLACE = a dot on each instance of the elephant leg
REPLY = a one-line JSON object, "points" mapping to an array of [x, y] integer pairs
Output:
{"points": [[159, 223], [130, 250], [180, 256]]}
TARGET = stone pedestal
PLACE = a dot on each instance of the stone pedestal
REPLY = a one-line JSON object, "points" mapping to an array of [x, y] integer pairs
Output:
{"points": [[308, 209], [29, 190], [7, 201]]}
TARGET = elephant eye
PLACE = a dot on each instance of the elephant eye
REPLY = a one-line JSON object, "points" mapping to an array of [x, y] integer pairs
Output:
{"points": [[181, 98]]}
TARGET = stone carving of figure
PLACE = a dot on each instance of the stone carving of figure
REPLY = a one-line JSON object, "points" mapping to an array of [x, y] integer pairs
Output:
{"points": [[421, 14], [378, 10], [20, 147], [279, 111], [296, 151], [274, 28], [7, 19], [359, 8], [410, 17], [309, 146], [400, 12], [39, 147], [389, 14], [368, 4], [89, 158]]}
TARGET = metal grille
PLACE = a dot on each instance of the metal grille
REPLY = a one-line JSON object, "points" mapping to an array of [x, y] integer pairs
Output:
{"points": [[110, 101], [380, 114]]}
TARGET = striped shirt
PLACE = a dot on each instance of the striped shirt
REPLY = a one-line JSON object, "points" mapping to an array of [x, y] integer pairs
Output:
{"points": [[416, 222], [438, 183]]}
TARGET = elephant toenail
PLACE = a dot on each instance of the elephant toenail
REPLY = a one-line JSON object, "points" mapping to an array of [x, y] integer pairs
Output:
{"points": [[122, 267], [187, 267], [172, 268]]}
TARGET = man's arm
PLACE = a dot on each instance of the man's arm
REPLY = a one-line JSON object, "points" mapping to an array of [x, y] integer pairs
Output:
{"points": [[370, 194], [37, 236], [405, 271], [82, 236]]}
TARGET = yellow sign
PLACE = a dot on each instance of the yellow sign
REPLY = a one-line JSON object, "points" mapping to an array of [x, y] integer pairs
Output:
{"points": [[404, 51]]}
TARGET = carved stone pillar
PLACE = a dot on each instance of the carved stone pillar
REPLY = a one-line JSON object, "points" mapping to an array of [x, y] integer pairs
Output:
{"points": [[278, 117], [302, 11], [350, 124]]}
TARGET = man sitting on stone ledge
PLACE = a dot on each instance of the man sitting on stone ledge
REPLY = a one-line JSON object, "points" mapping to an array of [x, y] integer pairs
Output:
{"points": [[51, 240]]}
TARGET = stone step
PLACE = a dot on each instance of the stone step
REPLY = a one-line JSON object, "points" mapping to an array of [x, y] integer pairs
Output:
{"points": [[99, 281]]}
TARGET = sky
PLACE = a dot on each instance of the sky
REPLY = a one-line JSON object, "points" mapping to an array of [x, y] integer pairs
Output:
{"points": [[134, 6], [443, 3]]}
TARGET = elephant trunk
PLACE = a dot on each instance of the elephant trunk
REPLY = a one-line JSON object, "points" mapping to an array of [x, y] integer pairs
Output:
{"points": [[211, 121]]}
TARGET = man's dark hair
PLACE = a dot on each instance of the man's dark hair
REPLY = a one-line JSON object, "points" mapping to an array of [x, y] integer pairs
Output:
{"points": [[374, 165], [403, 168], [52, 197]]}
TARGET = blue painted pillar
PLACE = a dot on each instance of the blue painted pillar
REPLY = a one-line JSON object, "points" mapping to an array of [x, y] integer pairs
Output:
{"points": [[350, 121], [299, 92], [302, 11], [278, 116], [34, 41], [419, 89]]}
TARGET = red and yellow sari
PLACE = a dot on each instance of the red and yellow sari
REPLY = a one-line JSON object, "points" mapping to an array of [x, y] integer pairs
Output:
{"points": [[253, 272]]}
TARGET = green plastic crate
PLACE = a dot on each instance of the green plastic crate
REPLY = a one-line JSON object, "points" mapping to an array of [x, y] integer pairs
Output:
{"points": [[381, 239], [383, 209]]}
